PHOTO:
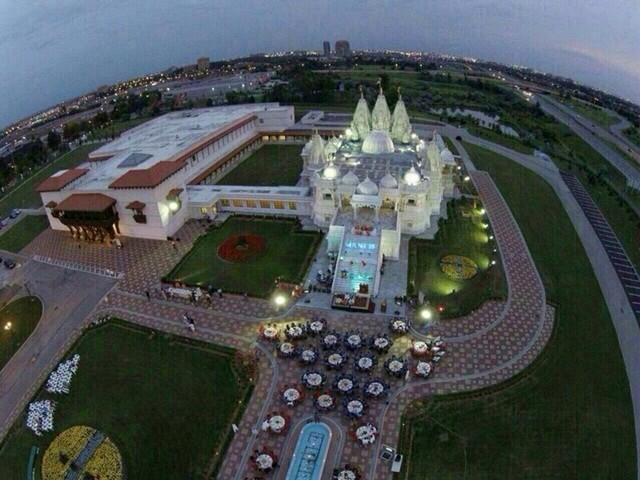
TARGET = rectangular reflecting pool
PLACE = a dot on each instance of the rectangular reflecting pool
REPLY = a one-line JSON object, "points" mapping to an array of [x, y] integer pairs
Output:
{"points": [[310, 455]]}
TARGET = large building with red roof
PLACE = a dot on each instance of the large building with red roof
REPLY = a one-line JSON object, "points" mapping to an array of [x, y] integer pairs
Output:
{"points": [[136, 185]]}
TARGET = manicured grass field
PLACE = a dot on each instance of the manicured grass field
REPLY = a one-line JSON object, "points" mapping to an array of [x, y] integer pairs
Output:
{"points": [[458, 235], [21, 234], [568, 416], [287, 256], [24, 195], [271, 165], [21, 316], [505, 140], [164, 403]]}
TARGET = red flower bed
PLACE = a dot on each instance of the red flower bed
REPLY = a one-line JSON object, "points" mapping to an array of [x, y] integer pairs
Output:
{"points": [[242, 248]]}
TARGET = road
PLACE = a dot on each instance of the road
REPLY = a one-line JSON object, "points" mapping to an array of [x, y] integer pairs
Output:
{"points": [[577, 125], [67, 302]]}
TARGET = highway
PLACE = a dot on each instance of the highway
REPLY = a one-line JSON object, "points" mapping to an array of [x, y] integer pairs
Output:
{"points": [[591, 135]]}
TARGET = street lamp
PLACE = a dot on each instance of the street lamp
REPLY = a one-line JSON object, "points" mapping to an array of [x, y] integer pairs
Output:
{"points": [[279, 301], [426, 314], [7, 326]]}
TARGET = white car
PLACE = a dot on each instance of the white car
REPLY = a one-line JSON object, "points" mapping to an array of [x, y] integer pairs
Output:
{"points": [[397, 463]]}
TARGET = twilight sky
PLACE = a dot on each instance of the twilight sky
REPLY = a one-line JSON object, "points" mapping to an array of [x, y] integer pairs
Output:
{"points": [[55, 50]]}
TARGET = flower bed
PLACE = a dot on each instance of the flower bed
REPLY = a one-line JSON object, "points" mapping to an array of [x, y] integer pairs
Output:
{"points": [[105, 463], [458, 267], [242, 248]]}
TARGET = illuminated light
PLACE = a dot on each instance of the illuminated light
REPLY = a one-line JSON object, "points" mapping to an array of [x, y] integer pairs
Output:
{"points": [[482, 211], [490, 237], [441, 308], [348, 132], [426, 314], [466, 179], [493, 262], [280, 300], [173, 206]]}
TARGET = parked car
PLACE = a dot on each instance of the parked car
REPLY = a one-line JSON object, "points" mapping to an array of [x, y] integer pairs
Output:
{"points": [[397, 463], [9, 263], [14, 213], [4, 222]]}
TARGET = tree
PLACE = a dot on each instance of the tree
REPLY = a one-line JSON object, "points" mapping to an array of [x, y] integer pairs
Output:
{"points": [[53, 140]]}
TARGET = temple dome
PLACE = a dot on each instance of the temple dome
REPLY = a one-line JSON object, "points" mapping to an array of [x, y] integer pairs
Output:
{"points": [[447, 157], [376, 142], [317, 155], [367, 187], [400, 124], [381, 116], [388, 181], [412, 176], [330, 172], [350, 179]]}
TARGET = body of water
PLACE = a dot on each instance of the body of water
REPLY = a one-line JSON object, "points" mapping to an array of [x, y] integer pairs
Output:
{"points": [[52, 51]]}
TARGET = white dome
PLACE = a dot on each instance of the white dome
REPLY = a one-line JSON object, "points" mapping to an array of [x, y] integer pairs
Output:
{"points": [[388, 181], [447, 157], [330, 172], [350, 179], [367, 187], [412, 177], [376, 142]]}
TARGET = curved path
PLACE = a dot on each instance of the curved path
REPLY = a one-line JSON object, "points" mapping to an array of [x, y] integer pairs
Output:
{"points": [[465, 367], [497, 341]]}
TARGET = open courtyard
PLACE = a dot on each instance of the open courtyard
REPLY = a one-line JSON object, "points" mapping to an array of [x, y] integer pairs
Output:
{"points": [[460, 269], [270, 165], [248, 255]]}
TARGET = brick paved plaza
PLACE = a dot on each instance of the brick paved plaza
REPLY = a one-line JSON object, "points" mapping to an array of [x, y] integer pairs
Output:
{"points": [[485, 348]]}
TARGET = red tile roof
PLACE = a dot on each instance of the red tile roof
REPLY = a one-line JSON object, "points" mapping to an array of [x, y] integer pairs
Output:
{"points": [[85, 202], [57, 182], [158, 173], [149, 177]]}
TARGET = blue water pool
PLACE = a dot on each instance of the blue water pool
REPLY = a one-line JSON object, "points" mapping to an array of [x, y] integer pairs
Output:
{"points": [[310, 454]]}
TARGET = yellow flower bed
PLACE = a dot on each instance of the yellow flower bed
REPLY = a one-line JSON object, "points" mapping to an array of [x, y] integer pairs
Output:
{"points": [[106, 462], [70, 443], [458, 267]]}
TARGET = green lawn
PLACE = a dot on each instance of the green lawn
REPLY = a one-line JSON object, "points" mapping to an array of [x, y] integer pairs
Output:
{"points": [[567, 417], [17, 321], [461, 234], [633, 134], [505, 140], [288, 255], [591, 112], [24, 195], [21, 234], [271, 165], [164, 403]]}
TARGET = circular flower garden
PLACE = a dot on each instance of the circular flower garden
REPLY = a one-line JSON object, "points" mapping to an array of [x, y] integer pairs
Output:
{"points": [[83, 450], [458, 267], [242, 248]]}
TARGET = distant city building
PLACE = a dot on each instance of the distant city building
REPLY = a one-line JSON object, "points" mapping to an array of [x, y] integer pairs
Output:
{"points": [[203, 64], [343, 49], [326, 48]]}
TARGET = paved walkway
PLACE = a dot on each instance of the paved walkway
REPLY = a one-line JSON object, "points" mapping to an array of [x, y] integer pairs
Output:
{"points": [[485, 348], [498, 346]]}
